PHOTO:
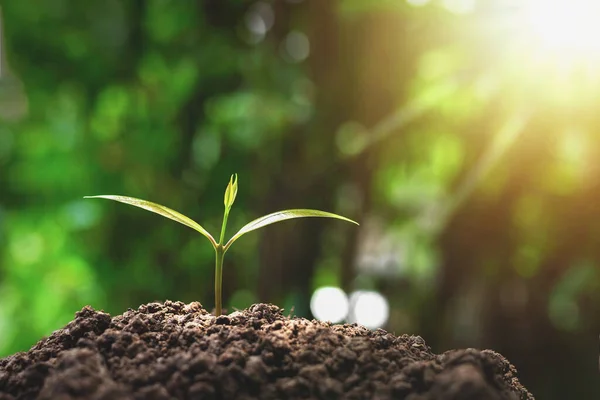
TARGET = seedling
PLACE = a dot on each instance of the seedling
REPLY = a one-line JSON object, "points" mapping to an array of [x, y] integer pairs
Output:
{"points": [[221, 247]]}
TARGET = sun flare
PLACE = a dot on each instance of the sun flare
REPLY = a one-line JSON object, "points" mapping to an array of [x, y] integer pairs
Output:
{"points": [[567, 27], [548, 46]]}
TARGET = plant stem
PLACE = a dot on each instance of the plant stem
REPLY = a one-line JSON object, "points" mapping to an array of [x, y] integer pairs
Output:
{"points": [[219, 254], [225, 216]]}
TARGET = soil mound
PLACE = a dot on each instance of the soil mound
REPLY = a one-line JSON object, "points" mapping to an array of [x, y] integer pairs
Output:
{"points": [[172, 350]]}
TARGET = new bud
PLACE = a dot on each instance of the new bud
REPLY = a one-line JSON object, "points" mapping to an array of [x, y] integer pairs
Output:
{"points": [[231, 191]]}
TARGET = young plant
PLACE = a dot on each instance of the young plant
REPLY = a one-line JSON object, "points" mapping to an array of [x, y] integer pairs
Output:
{"points": [[221, 247]]}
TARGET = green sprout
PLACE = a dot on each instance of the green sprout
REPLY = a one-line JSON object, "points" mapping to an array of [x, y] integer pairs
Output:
{"points": [[221, 247]]}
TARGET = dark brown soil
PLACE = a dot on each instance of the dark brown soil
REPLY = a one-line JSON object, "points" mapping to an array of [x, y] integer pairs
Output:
{"points": [[178, 351]]}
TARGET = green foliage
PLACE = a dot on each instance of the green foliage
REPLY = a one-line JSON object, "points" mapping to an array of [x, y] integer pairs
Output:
{"points": [[220, 247]]}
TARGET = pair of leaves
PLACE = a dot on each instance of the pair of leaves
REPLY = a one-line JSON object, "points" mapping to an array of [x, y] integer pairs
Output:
{"points": [[251, 226]]}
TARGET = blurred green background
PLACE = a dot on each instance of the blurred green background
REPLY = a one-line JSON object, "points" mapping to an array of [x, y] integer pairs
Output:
{"points": [[462, 134]]}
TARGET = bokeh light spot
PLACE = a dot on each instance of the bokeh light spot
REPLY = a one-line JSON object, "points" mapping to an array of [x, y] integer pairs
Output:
{"points": [[259, 19], [329, 304], [80, 214], [296, 46], [368, 308], [351, 138], [460, 7], [28, 248]]}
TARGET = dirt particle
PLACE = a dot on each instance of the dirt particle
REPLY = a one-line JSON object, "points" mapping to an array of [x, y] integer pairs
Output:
{"points": [[202, 390], [223, 320]]}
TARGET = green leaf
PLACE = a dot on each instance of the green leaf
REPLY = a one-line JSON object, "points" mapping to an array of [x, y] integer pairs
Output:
{"points": [[282, 216], [161, 210]]}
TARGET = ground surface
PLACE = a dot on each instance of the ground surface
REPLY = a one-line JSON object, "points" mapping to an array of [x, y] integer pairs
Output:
{"points": [[178, 351]]}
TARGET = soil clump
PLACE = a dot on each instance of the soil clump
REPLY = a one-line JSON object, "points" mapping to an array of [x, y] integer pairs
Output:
{"points": [[172, 350]]}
